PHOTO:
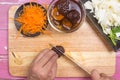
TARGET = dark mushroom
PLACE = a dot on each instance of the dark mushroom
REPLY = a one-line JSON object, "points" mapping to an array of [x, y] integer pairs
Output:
{"points": [[73, 16], [59, 50], [63, 6]]}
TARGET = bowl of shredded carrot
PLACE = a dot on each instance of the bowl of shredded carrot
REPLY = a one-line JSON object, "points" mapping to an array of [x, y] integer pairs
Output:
{"points": [[30, 19]]}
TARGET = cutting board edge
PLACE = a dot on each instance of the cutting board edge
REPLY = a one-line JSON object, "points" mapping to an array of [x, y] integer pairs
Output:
{"points": [[57, 76]]}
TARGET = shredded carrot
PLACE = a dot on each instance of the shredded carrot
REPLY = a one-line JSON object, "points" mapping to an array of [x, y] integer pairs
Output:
{"points": [[33, 19]]}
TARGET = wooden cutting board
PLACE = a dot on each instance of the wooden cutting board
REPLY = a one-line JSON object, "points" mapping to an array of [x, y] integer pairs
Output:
{"points": [[85, 45]]}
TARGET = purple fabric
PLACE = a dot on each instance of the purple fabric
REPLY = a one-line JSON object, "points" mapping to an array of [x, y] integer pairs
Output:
{"points": [[4, 16], [3, 41], [8, 0], [4, 71]]}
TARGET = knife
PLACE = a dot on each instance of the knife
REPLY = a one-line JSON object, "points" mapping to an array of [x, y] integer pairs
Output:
{"points": [[73, 60]]}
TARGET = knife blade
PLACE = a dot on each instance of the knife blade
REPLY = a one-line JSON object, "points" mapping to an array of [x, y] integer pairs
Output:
{"points": [[73, 60]]}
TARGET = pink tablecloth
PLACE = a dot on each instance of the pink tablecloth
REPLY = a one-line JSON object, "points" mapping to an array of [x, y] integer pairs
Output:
{"points": [[4, 7]]}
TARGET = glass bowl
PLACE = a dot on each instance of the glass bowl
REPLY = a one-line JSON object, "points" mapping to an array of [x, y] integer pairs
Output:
{"points": [[73, 6]]}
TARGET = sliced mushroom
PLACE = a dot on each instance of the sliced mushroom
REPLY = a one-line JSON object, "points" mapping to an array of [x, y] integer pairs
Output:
{"points": [[56, 15], [66, 24]]}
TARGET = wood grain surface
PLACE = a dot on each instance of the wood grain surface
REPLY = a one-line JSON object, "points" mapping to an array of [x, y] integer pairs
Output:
{"points": [[85, 45]]}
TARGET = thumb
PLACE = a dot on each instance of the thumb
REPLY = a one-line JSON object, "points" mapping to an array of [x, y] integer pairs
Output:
{"points": [[95, 75]]}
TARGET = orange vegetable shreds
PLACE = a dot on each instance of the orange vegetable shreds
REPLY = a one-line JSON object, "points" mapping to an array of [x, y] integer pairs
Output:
{"points": [[33, 19]]}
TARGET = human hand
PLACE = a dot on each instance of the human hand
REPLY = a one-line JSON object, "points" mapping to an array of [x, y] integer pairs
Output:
{"points": [[44, 67], [95, 75]]}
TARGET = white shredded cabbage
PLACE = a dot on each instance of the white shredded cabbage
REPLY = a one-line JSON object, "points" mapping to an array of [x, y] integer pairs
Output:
{"points": [[107, 12]]}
